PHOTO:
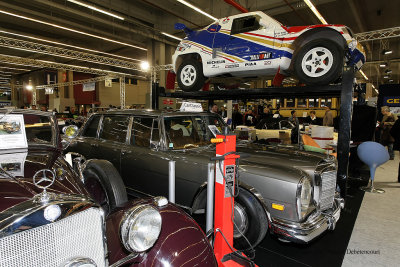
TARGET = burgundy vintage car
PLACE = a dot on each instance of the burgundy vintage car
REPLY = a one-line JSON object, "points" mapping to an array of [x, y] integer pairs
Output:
{"points": [[53, 215]]}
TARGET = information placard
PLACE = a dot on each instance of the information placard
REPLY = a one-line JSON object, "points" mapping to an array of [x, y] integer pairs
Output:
{"points": [[12, 131]]}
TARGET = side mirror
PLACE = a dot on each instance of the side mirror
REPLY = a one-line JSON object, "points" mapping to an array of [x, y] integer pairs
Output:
{"points": [[71, 131]]}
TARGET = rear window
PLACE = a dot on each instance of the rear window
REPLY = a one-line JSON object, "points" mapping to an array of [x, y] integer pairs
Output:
{"points": [[142, 131]]}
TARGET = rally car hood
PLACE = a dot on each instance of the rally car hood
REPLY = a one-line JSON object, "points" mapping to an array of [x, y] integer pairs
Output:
{"points": [[17, 184]]}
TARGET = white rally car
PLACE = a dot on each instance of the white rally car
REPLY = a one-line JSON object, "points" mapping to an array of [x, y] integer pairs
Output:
{"points": [[254, 44]]}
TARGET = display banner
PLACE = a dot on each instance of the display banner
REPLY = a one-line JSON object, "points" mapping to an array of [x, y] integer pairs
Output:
{"points": [[391, 101], [89, 87]]}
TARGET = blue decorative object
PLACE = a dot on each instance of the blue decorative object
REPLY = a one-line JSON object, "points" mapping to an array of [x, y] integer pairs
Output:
{"points": [[373, 154]]}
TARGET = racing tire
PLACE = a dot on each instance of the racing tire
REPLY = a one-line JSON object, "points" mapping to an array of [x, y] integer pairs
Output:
{"points": [[319, 62], [190, 75], [248, 208], [104, 184]]}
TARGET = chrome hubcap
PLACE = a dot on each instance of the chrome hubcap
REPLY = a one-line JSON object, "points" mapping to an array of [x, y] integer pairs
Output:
{"points": [[188, 75], [317, 62], [241, 221]]}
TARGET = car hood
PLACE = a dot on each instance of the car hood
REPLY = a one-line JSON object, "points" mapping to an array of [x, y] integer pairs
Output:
{"points": [[283, 165], [23, 165]]}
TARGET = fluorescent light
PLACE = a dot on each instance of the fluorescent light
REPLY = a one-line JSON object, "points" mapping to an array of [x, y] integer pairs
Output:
{"points": [[387, 52], [315, 11], [71, 30], [390, 80], [145, 66], [376, 91], [67, 45], [373, 86], [171, 36], [386, 77], [96, 9], [29, 87], [363, 74], [197, 9], [382, 65]]}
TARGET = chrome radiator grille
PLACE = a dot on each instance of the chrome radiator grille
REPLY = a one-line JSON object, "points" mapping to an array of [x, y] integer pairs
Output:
{"points": [[79, 235], [328, 187]]}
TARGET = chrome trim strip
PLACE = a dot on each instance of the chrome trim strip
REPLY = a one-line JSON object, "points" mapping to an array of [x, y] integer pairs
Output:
{"points": [[125, 260]]}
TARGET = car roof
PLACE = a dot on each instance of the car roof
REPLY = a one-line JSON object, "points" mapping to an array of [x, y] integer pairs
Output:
{"points": [[152, 112]]}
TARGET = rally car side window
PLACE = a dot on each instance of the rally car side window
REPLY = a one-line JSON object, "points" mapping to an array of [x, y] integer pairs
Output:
{"points": [[245, 24]]}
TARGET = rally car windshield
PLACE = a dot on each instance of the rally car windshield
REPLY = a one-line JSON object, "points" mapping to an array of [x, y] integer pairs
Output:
{"points": [[183, 132]]}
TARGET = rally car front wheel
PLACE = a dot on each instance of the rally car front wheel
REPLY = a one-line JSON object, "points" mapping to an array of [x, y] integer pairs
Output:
{"points": [[319, 62], [190, 75]]}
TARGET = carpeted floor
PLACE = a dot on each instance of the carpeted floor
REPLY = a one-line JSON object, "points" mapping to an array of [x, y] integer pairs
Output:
{"points": [[327, 250]]}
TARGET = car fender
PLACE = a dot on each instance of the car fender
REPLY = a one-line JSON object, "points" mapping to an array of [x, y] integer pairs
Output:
{"points": [[317, 33], [186, 55], [201, 197]]}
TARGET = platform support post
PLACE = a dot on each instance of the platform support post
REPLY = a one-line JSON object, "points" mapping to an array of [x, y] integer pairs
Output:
{"points": [[343, 148]]}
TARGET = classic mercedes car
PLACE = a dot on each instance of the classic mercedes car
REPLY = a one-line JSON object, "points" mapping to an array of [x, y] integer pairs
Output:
{"points": [[291, 193], [52, 216], [254, 44]]}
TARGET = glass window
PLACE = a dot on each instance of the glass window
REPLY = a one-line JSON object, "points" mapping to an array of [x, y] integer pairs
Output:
{"points": [[245, 24], [141, 131], [313, 103], [326, 102], [191, 131], [301, 103], [290, 103], [91, 126], [115, 128]]}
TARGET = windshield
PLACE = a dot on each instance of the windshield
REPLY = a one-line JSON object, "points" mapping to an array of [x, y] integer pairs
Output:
{"points": [[18, 130], [191, 131]]}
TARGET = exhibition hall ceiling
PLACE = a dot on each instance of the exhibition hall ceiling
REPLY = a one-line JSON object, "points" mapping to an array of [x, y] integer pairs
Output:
{"points": [[131, 26]]}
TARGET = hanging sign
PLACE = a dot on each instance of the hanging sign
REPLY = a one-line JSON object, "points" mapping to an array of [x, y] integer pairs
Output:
{"points": [[89, 87]]}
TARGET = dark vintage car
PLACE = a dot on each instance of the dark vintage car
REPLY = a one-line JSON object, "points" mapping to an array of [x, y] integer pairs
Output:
{"points": [[48, 215], [292, 193]]}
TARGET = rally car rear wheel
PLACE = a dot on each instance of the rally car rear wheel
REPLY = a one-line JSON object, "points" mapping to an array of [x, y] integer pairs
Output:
{"points": [[319, 62], [190, 75]]}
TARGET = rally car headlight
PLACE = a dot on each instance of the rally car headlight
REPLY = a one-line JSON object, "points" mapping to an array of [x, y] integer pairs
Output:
{"points": [[140, 228], [304, 197]]}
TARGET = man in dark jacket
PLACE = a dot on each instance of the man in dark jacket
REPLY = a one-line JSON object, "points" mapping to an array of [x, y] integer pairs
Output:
{"points": [[385, 125], [395, 133]]}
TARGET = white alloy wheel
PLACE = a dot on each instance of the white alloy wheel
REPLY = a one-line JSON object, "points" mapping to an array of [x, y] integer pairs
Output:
{"points": [[188, 75], [317, 62]]}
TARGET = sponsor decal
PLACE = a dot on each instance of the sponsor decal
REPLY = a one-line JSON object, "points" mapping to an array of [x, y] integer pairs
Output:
{"points": [[225, 20], [250, 64], [215, 67], [230, 66], [267, 62], [260, 56], [215, 61]]}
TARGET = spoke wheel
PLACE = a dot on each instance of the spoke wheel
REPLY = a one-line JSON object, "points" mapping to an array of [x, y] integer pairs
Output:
{"points": [[317, 62], [190, 75]]}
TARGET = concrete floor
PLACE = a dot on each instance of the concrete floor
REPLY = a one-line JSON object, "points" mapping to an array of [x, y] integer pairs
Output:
{"points": [[375, 240]]}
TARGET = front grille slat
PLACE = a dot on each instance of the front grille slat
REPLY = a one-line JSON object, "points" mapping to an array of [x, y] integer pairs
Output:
{"points": [[79, 235], [328, 186]]}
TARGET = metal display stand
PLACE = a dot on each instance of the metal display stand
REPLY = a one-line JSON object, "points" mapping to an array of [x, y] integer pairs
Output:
{"points": [[343, 90]]}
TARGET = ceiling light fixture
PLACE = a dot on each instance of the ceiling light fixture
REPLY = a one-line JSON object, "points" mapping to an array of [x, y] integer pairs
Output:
{"points": [[96, 9], [388, 71], [390, 80], [197, 9], [67, 45], [71, 30], [145, 66], [386, 77], [386, 52], [171, 36], [363, 74], [315, 11], [383, 65]]}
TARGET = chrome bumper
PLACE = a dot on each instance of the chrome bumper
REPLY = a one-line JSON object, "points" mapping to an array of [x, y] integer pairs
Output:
{"points": [[305, 232]]}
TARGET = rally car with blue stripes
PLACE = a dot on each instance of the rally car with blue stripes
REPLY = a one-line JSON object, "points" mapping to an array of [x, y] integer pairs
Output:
{"points": [[255, 45]]}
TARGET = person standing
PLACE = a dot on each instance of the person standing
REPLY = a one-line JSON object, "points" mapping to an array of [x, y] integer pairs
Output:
{"points": [[223, 112], [395, 133], [312, 118], [249, 118], [214, 109], [386, 125], [294, 136], [237, 118], [328, 117]]}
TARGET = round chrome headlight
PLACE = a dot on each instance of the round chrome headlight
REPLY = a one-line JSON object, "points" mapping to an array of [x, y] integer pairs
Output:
{"points": [[71, 131], [304, 197], [140, 228]]}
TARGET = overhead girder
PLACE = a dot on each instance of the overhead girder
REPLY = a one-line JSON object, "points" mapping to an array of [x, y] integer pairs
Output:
{"points": [[378, 34]]}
